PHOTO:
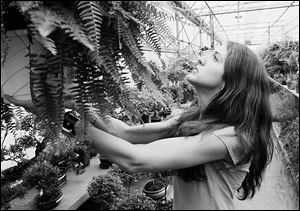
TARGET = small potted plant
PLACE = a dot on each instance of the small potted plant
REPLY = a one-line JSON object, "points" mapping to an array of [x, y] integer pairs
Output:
{"points": [[164, 204], [105, 190], [63, 161], [10, 192], [84, 156], [156, 188], [135, 201], [125, 177], [44, 176], [104, 163]]}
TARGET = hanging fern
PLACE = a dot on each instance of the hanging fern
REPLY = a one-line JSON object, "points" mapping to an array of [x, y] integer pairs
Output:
{"points": [[89, 44]]}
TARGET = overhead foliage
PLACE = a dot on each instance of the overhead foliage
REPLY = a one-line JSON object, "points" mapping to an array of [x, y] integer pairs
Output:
{"points": [[88, 44]]}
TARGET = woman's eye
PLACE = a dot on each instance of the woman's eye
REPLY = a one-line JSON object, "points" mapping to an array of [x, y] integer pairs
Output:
{"points": [[215, 57]]}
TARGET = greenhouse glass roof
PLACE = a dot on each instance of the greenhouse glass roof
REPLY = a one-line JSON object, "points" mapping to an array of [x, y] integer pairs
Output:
{"points": [[207, 23]]}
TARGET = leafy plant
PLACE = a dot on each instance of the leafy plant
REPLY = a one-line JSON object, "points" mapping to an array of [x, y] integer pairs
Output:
{"points": [[134, 202], [125, 177], [289, 136], [44, 176], [88, 43], [105, 190], [9, 193], [160, 179], [164, 204], [281, 57], [287, 110]]}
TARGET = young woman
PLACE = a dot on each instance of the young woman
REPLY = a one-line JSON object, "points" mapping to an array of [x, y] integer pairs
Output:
{"points": [[218, 149]]}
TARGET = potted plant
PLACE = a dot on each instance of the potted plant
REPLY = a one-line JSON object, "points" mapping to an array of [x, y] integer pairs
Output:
{"points": [[125, 177], [44, 176], [10, 192], [164, 204], [104, 163], [63, 161], [105, 190], [134, 202], [156, 188]]}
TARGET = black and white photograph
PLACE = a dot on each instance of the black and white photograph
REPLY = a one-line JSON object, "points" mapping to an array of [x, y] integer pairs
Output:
{"points": [[149, 105]]}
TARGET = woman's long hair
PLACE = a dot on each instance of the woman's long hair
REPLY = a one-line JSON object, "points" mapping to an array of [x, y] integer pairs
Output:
{"points": [[243, 103]]}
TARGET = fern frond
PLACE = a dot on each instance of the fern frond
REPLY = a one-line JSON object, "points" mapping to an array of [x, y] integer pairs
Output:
{"points": [[90, 13], [46, 20], [25, 6], [46, 84], [132, 45], [7, 116], [45, 41], [153, 39]]}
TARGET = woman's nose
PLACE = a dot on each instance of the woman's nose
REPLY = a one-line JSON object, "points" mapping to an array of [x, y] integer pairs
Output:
{"points": [[202, 61]]}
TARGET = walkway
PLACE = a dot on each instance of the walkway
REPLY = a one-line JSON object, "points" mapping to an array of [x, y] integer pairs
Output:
{"points": [[276, 193]]}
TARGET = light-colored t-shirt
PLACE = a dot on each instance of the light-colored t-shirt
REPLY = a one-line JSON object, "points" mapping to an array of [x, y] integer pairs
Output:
{"points": [[217, 192]]}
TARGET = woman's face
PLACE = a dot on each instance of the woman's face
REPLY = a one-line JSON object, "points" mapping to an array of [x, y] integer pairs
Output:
{"points": [[208, 74]]}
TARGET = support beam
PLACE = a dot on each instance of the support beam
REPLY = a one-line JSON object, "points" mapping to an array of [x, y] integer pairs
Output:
{"points": [[248, 10], [192, 16], [211, 22]]}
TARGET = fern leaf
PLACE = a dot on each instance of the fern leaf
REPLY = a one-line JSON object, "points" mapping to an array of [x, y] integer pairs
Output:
{"points": [[46, 20], [7, 116], [91, 15]]}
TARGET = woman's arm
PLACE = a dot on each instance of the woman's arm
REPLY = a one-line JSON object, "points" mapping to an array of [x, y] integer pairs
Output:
{"points": [[137, 134], [170, 153]]}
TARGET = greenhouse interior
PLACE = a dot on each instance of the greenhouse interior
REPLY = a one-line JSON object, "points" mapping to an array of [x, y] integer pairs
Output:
{"points": [[104, 104]]}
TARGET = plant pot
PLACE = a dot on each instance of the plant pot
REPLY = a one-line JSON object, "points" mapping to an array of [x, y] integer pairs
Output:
{"points": [[53, 202], [84, 157], [156, 193], [62, 178], [104, 163]]}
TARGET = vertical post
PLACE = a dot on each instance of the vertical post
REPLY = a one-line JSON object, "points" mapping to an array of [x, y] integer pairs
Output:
{"points": [[282, 33], [212, 39], [200, 36], [177, 33], [269, 34]]}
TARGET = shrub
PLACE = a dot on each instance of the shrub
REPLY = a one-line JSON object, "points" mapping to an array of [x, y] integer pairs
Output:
{"points": [[105, 190], [125, 176], [44, 176], [287, 110], [290, 138], [134, 202], [9, 193]]}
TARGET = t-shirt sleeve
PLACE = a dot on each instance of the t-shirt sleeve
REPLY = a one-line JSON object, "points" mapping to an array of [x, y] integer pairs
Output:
{"points": [[231, 142]]}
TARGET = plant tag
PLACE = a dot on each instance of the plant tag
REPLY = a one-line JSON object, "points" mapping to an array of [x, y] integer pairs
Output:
{"points": [[41, 192]]}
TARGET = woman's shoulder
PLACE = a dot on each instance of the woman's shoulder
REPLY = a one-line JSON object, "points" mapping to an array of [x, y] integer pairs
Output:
{"points": [[227, 131]]}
